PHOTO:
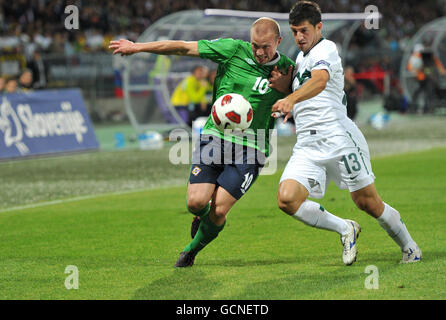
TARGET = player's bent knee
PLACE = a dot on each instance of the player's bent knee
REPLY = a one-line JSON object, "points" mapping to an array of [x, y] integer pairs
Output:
{"points": [[285, 207], [288, 202], [290, 196], [196, 204], [220, 213]]}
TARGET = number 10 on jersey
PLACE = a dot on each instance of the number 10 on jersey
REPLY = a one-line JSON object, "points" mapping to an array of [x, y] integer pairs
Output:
{"points": [[261, 85]]}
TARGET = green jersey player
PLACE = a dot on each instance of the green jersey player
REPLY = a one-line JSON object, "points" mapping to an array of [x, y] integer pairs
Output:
{"points": [[215, 184], [238, 72]]}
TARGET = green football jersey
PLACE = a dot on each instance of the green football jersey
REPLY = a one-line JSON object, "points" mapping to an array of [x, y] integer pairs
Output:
{"points": [[239, 72]]}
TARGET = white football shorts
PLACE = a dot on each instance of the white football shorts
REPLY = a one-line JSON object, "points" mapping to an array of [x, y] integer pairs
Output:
{"points": [[343, 158]]}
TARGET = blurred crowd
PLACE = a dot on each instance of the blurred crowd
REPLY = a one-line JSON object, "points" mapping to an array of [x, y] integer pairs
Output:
{"points": [[32, 28], [31, 25], [23, 83]]}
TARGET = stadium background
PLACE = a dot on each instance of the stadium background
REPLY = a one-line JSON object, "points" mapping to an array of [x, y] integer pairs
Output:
{"points": [[35, 32], [32, 33]]}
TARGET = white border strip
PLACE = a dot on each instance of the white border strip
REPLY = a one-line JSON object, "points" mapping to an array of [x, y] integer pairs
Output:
{"points": [[284, 16]]}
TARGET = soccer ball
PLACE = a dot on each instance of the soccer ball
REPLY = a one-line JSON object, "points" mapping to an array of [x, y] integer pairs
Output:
{"points": [[231, 111]]}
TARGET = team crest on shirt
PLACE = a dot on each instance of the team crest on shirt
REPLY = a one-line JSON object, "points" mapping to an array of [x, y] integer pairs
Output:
{"points": [[313, 183], [250, 61], [196, 171], [304, 77]]}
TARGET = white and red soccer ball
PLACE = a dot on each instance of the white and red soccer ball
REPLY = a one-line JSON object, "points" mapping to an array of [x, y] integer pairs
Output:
{"points": [[231, 111]]}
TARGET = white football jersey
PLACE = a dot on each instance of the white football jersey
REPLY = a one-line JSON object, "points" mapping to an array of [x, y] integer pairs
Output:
{"points": [[322, 115]]}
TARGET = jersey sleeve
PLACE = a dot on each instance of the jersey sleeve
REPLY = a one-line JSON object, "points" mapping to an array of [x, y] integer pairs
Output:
{"points": [[219, 50], [325, 59]]}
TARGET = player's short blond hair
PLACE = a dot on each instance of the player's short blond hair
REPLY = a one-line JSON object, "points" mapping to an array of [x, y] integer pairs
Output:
{"points": [[265, 25]]}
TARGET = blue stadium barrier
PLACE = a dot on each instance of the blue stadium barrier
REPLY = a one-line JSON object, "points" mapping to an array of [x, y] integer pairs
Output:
{"points": [[44, 122]]}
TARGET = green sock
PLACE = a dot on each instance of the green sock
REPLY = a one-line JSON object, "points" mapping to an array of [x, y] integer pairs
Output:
{"points": [[207, 232], [202, 212]]}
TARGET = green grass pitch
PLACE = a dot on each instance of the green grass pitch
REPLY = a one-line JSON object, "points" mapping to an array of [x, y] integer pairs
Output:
{"points": [[124, 246]]}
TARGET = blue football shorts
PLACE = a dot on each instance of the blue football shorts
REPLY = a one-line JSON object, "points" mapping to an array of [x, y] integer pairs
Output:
{"points": [[231, 166]]}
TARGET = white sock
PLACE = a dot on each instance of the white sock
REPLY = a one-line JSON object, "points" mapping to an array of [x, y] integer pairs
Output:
{"points": [[314, 215], [390, 220]]}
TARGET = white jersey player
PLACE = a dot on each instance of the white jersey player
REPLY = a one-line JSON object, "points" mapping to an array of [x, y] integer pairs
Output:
{"points": [[329, 147]]}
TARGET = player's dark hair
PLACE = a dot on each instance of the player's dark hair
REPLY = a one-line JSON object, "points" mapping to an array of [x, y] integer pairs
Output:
{"points": [[305, 11]]}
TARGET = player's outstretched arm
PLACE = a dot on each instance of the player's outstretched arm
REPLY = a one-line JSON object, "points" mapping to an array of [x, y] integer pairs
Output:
{"points": [[167, 47], [315, 85]]}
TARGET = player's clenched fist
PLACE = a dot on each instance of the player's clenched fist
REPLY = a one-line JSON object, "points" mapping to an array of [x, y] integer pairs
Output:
{"points": [[122, 46], [283, 106], [280, 81]]}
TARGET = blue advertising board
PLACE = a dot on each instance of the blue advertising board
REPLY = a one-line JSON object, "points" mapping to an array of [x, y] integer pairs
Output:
{"points": [[44, 122]]}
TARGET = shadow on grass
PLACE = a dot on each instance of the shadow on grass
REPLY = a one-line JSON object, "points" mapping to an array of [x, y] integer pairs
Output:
{"points": [[337, 283], [182, 284], [297, 286], [324, 280], [248, 263]]}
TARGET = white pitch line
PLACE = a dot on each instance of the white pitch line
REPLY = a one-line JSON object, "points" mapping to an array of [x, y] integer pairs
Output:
{"points": [[50, 203]]}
